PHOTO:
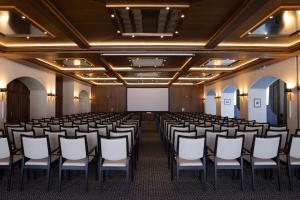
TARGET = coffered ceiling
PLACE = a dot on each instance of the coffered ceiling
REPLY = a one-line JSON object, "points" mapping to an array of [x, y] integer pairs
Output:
{"points": [[149, 43]]}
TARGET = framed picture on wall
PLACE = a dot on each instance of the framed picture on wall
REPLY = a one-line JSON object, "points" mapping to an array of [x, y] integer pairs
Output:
{"points": [[257, 102], [227, 101]]}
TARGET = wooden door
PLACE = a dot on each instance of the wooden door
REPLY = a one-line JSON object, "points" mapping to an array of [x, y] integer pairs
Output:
{"points": [[18, 102]]}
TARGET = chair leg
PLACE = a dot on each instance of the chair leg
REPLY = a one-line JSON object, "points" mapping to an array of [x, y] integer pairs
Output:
{"points": [[9, 178], [172, 171], [289, 172], [96, 170], [59, 178], [177, 174], [253, 174], [86, 178], [22, 177], [242, 178], [127, 179], [216, 174], [168, 149], [48, 178], [278, 178]]}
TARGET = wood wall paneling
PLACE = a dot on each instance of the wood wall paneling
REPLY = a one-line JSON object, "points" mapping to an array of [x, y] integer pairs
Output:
{"points": [[59, 97]]}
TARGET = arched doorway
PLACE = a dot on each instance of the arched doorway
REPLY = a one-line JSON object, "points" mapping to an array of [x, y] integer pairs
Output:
{"points": [[210, 103], [84, 102], [267, 101], [18, 102], [230, 102]]}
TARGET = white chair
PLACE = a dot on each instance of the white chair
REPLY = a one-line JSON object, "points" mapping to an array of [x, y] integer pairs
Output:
{"points": [[70, 130], [201, 129], [128, 134], [248, 139], [74, 156], [102, 131], [278, 128], [293, 156], [231, 129], [92, 141], [284, 137], [39, 131], [36, 155], [17, 138], [67, 124], [265, 155], [53, 139], [7, 159], [259, 128], [114, 156], [82, 127], [265, 126], [190, 155], [55, 127], [9, 130], [211, 139], [228, 155]]}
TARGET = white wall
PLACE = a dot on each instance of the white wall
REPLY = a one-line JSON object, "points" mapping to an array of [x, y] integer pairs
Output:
{"points": [[258, 114], [210, 105], [285, 70], [227, 110]]}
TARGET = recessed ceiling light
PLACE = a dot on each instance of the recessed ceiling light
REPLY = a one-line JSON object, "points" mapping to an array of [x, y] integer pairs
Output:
{"points": [[27, 37], [249, 33], [299, 33], [112, 16], [161, 36], [133, 36], [271, 17], [118, 31], [167, 8], [45, 32], [23, 17], [127, 8], [176, 32], [266, 37], [182, 16]]}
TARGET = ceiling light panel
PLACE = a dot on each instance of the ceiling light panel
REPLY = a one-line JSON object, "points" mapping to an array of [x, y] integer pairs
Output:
{"points": [[147, 62]]}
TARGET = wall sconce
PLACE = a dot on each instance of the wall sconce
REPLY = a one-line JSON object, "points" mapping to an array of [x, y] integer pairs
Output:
{"points": [[76, 98], [51, 96], [3, 92], [289, 93], [91, 99], [202, 99], [243, 95], [217, 97]]}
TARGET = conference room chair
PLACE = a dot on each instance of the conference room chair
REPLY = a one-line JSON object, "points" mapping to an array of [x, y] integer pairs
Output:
{"points": [[36, 156], [284, 138], [109, 126], [82, 126], [201, 129], [211, 137], [242, 125], [259, 128], [231, 129], [9, 130], [265, 155], [70, 130], [74, 156], [293, 157], [53, 139], [278, 128], [102, 131], [248, 140], [39, 130], [174, 145], [228, 155], [16, 134], [7, 159], [114, 156], [67, 123], [265, 126], [136, 136], [54, 127]]}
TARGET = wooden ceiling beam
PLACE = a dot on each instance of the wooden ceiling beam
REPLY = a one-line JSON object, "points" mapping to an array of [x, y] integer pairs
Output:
{"points": [[239, 16], [187, 65], [72, 31], [109, 69]]}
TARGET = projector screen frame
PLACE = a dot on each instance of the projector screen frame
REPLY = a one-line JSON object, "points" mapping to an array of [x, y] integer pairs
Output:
{"points": [[148, 88]]}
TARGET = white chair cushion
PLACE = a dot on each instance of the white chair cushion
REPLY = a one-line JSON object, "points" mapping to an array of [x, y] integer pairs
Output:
{"points": [[295, 161], [259, 161], [43, 161], [77, 163], [186, 163], [5, 161], [222, 162], [115, 163]]}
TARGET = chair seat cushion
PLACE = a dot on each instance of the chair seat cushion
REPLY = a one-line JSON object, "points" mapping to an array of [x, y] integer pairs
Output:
{"points": [[5, 161], [259, 161], [115, 163], [43, 161], [185, 162], [223, 162], [294, 161], [77, 163]]}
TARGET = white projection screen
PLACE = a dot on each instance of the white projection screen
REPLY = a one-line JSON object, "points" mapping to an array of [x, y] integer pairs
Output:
{"points": [[147, 99]]}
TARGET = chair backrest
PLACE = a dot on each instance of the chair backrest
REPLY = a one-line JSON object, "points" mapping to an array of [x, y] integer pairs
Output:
{"points": [[242, 125], [266, 147], [35, 147], [211, 138], [129, 135], [115, 148], [294, 147], [177, 128], [39, 131], [181, 133], [5, 151], [171, 124], [265, 126], [1, 133], [129, 128], [191, 148], [83, 127], [231, 129], [201, 130], [91, 137], [70, 130], [278, 128], [229, 147], [102, 131], [259, 128], [284, 135], [109, 126], [72, 148], [67, 124], [53, 138], [248, 140], [217, 127], [11, 128], [55, 127], [92, 124], [17, 137]]}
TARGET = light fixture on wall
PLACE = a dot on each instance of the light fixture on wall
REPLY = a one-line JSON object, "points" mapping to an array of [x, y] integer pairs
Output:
{"points": [[3, 92], [76, 98], [51, 96], [202, 99], [217, 97], [289, 93], [243, 94]]}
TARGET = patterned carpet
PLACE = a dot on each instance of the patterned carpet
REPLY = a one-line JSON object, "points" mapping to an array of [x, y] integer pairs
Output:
{"points": [[152, 181]]}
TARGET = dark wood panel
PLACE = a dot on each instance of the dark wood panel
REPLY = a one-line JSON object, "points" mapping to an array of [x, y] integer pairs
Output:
{"points": [[18, 102], [109, 99], [59, 97], [186, 97]]}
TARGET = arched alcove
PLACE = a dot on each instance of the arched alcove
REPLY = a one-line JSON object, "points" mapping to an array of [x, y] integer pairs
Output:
{"points": [[230, 102], [267, 100], [210, 103]]}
